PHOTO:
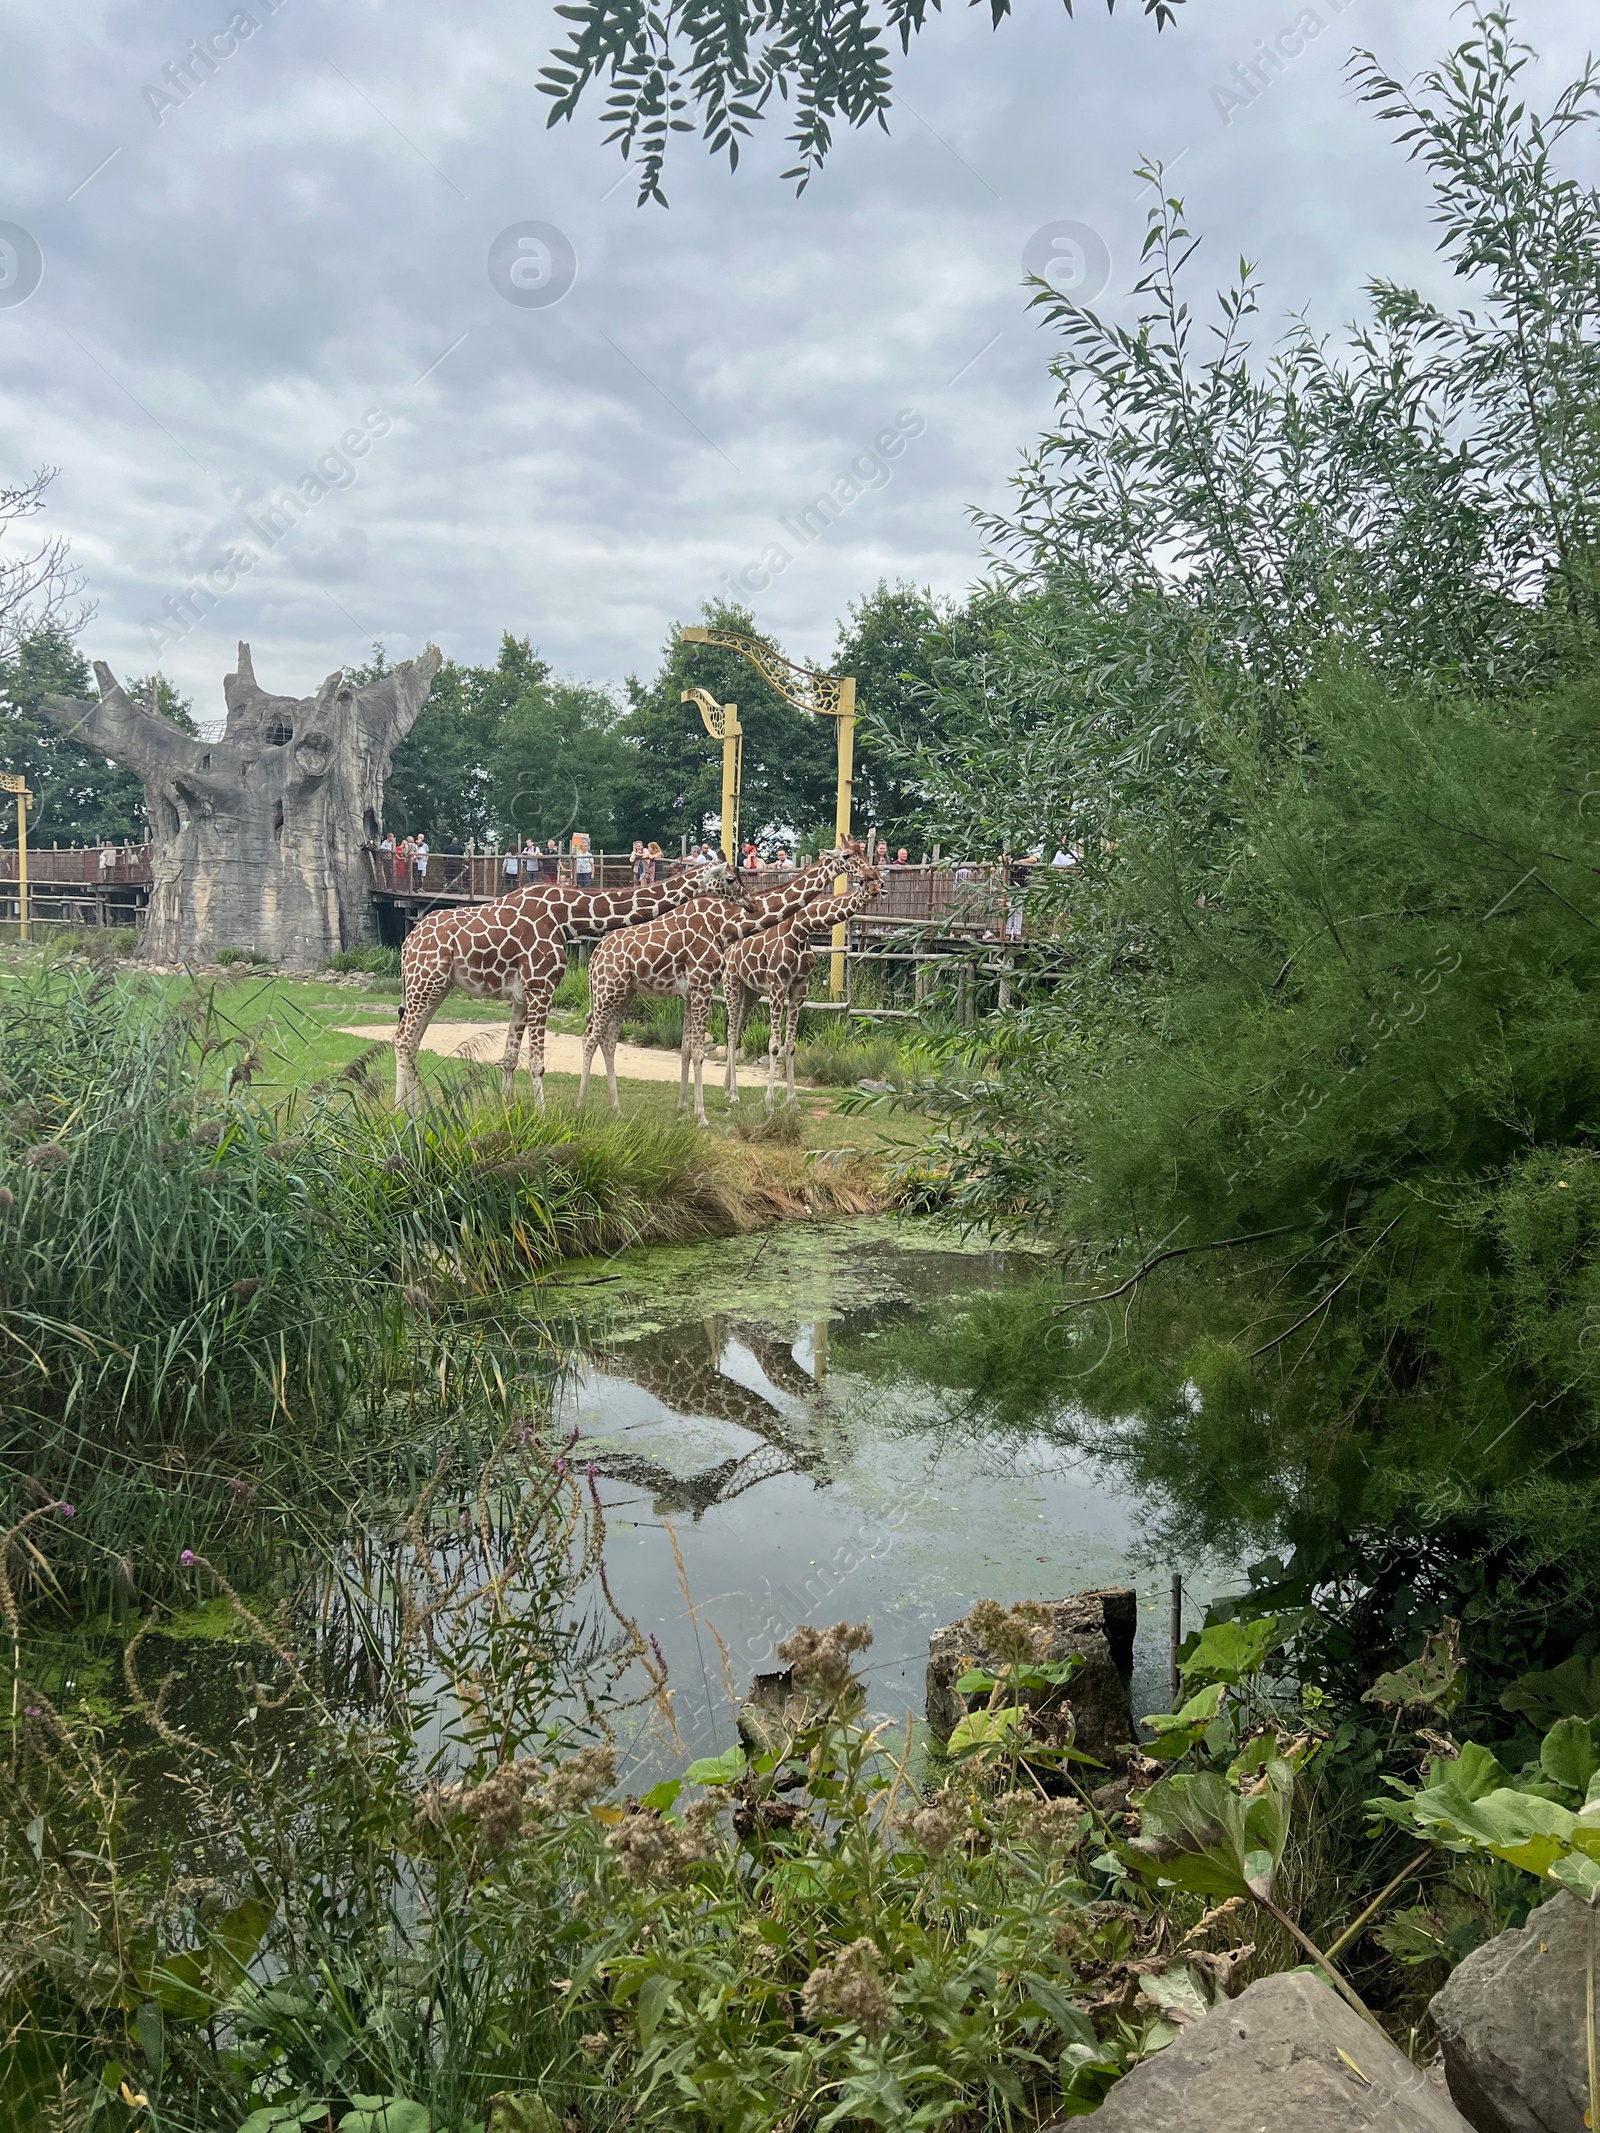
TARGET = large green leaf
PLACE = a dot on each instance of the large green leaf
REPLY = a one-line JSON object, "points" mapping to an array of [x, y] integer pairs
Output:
{"points": [[385, 2114], [1571, 1690], [1434, 1681], [1199, 1833], [1227, 1651], [1568, 1754], [1177, 1731]]}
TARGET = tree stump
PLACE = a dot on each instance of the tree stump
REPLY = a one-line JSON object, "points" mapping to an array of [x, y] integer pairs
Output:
{"points": [[257, 838]]}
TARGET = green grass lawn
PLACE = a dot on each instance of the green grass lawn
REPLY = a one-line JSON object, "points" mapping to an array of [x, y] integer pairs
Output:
{"points": [[294, 1025]]}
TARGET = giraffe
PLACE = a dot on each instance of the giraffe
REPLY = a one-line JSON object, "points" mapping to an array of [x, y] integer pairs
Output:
{"points": [[779, 963], [681, 953], [515, 949]]}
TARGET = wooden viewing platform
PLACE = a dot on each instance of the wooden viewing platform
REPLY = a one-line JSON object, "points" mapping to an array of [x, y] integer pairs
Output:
{"points": [[928, 914]]}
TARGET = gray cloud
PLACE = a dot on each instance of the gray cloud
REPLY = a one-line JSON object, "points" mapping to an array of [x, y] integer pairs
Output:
{"points": [[306, 236]]}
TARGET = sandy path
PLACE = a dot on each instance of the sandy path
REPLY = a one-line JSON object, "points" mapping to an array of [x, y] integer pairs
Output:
{"points": [[563, 1054]]}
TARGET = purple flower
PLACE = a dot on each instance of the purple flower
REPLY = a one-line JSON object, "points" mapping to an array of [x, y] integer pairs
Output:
{"points": [[67, 1510], [186, 1560], [590, 1470], [661, 1657], [572, 1440], [33, 1711], [561, 1467]]}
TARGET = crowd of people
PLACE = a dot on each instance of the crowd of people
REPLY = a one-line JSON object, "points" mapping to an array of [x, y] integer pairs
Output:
{"points": [[413, 863]]}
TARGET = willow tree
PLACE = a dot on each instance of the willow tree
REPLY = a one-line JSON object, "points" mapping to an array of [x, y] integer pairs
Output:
{"points": [[257, 837]]}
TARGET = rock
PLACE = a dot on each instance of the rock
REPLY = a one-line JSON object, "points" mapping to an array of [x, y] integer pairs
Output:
{"points": [[1099, 1625], [1511, 2025], [1287, 2056]]}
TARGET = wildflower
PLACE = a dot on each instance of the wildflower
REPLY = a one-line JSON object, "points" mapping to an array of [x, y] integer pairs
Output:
{"points": [[247, 1288], [574, 1783], [595, 2045], [1015, 1635], [33, 1710], [561, 1468], [820, 1658], [850, 1989], [934, 1828], [186, 1561], [241, 1491], [67, 1510], [650, 1848], [498, 1805], [8, 1199], [646, 1847], [46, 1155], [1048, 1825]]}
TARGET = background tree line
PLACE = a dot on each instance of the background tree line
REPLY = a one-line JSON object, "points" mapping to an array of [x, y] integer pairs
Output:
{"points": [[506, 751]]}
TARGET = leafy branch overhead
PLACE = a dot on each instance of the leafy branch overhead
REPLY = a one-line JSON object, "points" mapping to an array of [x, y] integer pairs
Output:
{"points": [[714, 67]]}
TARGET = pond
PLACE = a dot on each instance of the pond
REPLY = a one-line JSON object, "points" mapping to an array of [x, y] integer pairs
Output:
{"points": [[758, 1471]]}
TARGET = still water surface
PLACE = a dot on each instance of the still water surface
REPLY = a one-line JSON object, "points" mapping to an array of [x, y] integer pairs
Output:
{"points": [[754, 1462]]}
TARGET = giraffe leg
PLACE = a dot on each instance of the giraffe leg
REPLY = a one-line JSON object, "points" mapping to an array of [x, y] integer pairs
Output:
{"points": [[518, 1022], [419, 1004], [734, 993], [696, 1014], [683, 1062], [541, 991], [613, 1026], [791, 1031], [776, 1001], [591, 1037]]}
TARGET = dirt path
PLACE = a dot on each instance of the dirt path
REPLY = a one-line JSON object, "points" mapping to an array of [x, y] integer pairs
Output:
{"points": [[563, 1054]]}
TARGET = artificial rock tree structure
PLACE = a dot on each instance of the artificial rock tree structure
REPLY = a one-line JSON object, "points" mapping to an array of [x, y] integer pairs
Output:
{"points": [[257, 837]]}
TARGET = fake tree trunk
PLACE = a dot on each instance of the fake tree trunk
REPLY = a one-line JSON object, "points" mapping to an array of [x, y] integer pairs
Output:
{"points": [[258, 836]]}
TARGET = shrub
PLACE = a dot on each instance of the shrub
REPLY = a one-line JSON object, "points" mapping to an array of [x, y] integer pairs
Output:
{"points": [[253, 956], [376, 962]]}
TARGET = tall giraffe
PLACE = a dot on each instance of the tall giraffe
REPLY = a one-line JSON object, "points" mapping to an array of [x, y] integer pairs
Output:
{"points": [[681, 955], [515, 949], [779, 963]]}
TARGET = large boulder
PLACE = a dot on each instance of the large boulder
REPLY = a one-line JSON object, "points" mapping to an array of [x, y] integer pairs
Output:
{"points": [[1099, 1626], [1287, 2056], [1511, 2025]]}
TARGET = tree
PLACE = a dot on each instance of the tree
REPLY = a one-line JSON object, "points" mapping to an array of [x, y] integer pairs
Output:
{"points": [[560, 764], [81, 798], [442, 781], [257, 837], [39, 587], [895, 643], [723, 64], [789, 758]]}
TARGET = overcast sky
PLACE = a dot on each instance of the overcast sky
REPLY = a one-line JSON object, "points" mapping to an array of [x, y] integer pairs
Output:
{"points": [[299, 253]]}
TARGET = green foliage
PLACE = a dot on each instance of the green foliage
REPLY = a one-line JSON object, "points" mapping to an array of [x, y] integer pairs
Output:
{"points": [[559, 764], [789, 757], [376, 962], [441, 780], [202, 1289], [81, 798], [1301, 649], [724, 69]]}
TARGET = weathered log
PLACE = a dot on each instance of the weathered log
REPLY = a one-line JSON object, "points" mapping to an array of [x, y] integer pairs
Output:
{"points": [[257, 838]]}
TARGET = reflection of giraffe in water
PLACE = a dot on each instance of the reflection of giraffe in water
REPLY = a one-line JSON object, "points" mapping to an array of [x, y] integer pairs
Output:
{"points": [[682, 1369]]}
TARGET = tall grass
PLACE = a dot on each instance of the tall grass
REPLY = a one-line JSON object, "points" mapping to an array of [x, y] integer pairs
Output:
{"points": [[209, 1305]]}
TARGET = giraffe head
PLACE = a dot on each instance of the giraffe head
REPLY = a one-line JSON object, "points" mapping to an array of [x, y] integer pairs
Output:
{"points": [[719, 880]]}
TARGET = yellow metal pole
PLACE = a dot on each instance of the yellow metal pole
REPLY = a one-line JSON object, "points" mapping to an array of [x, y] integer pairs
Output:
{"points": [[732, 781], [846, 719], [19, 785]]}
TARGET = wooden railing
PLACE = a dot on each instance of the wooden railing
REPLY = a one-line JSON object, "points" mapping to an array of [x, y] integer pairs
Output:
{"points": [[83, 865]]}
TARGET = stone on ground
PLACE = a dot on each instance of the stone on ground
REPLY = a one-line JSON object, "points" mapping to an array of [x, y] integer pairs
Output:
{"points": [[1287, 2056], [1511, 2025]]}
